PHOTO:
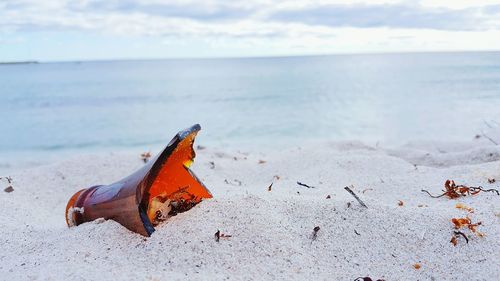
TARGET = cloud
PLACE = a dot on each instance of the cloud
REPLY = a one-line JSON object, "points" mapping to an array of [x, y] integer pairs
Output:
{"points": [[218, 11], [261, 27], [234, 18], [492, 10], [388, 15]]}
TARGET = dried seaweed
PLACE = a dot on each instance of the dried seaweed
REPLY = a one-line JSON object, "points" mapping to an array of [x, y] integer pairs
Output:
{"points": [[466, 223], [464, 207], [400, 203], [454, 191]]}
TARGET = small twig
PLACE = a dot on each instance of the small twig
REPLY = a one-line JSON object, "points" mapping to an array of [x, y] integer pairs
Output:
{"points": [[8, 178], [355, 196], [490, 139], [356, 232], [303, 184], [487, 124]]}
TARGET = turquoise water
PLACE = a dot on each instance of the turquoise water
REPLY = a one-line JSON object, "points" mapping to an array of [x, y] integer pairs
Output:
{"points": [[84, 106]]}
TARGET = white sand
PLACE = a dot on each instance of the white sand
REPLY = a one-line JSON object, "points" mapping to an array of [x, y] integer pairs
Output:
{"points": [[271, 231]]}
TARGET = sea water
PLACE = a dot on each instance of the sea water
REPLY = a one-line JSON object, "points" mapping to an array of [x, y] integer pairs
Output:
{"points": [[239, 102]]}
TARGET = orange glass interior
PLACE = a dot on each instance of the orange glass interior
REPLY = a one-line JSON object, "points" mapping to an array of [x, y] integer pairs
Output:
{"points": [[174, 181]]}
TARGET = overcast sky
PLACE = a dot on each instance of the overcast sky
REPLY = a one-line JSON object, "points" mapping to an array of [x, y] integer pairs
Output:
{"points": [[53, 30]]}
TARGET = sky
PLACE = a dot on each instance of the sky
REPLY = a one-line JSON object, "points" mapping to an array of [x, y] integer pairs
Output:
{"points": [[62, 30]]}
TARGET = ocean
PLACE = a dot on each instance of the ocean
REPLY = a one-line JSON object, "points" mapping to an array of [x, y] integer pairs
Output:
{"points": [[54, 108]]}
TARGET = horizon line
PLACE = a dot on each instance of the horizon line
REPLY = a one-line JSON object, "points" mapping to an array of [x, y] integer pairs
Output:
{"points": [[32, 61]]}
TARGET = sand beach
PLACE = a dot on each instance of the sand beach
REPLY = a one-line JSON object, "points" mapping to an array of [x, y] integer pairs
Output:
{"points": [[403, 234]]}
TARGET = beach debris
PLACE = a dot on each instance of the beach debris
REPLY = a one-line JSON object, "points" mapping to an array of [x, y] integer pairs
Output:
{"points": [[491, 180], [276, 177], [366, 189], [218, 235], [306, 185], [9, 180], [328, 196], [212, 165], [145, 156], [233, 182], [262, 161], [160, 189], [467, 223], [454, 191], [200, 147], [400, 203], [270, 187], [422, 205], [315, 232], [355, 231], [456, 235], [464, 207], [367, 279], [355, 196], [459, 223], [489, 138], [417, 266]]}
